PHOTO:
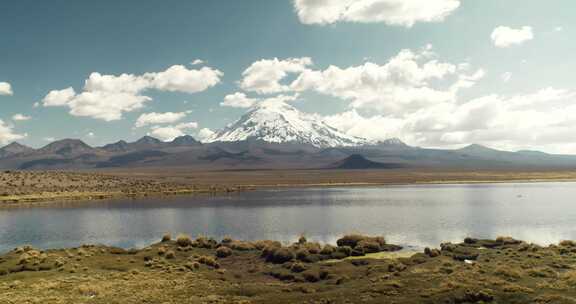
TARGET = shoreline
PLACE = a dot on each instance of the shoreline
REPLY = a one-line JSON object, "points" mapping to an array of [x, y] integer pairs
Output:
{"points": [[40, 199], [79, 196]]}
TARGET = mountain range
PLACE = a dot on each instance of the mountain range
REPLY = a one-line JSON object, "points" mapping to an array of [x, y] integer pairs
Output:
{"points": [[270, 136]]}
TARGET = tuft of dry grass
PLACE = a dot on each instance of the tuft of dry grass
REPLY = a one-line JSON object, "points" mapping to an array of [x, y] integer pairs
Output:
{"points": [[184, 240]]}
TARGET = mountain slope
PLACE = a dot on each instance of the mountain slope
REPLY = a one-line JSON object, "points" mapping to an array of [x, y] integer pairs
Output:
{"points": [[279, 122], [67, 147], [14, 149], [357, 161]]}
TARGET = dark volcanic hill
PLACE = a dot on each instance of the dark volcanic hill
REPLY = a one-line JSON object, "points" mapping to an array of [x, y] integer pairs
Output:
{"points": [[119, 146], [357, 161], [14, 149], [185, 140], [67, 147]]}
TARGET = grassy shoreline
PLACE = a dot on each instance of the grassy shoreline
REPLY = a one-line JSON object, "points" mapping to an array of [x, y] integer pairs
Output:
{"points": [[21, 186], [359, 269]]}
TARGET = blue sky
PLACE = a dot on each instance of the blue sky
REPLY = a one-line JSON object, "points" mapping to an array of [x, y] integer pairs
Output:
{"points": [[518, 96]]}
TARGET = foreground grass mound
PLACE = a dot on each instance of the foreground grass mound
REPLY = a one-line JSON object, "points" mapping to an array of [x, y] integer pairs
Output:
{"points": [[204, 270]]}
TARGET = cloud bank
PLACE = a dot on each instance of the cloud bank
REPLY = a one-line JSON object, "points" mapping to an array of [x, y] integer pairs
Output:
{"points": [[7, 133], [108, 97], [404, 13]]}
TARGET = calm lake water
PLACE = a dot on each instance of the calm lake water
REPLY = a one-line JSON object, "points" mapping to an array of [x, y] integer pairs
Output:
{"points": [[417, 216]]}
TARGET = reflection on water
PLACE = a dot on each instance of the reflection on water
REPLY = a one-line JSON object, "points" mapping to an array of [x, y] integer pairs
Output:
{"points": [[410, 215]]}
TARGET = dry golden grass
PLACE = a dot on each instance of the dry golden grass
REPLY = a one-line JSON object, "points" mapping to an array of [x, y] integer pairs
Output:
{"points": [[503, 272]]}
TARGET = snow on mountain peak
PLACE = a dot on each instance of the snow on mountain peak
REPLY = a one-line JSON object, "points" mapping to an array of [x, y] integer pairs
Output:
{"points": [[278, 122]]}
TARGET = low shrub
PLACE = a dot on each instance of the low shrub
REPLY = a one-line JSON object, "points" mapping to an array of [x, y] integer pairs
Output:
{"points": [[349, 240], [298, 267], [431, 252], [302, 254], [170, 254], [313, 248], [261, 245], [358, 251], [166, 238], [327, 250], [203, 242], [223, 252], [281, 255], [369, 246], [346, 250], [354, 239], [183, 240], [242, 246], [209, 261]]}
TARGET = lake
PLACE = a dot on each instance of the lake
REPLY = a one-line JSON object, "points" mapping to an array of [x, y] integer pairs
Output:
{"points": [[415, 215]]}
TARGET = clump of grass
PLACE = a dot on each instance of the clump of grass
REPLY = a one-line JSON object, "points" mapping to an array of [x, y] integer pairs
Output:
{"points": [[280, 255], [183, 240], [327, 249], [507, 272], [350, 240], [369, 246], [353, 240], [302, 254], [88, 290], [567, 243], [242, 246], [313, 248], [302, 240], [209, 261], [260, 245], [166, 238], [192, 265], [170, 254], [162, 250], [342, 252], [358, 251], [298, 267], [431, 252], [223, 252], [506, 240], [203, 242]]}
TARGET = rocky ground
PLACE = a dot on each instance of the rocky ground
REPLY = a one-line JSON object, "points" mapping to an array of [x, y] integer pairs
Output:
{"points": [[358, 270]]}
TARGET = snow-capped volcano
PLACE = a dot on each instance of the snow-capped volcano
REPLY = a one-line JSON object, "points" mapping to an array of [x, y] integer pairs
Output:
{"points": [[279, 122]]}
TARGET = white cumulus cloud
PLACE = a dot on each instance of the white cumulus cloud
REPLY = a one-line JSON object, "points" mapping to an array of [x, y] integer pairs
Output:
{"points": [[107, 97], [504, 36], [392, 12], [159, 118], [264, 76], [7, 133], [238, 100], [543, 119], [406, 83], [6, 89], [56, 98], [168, 133]]}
